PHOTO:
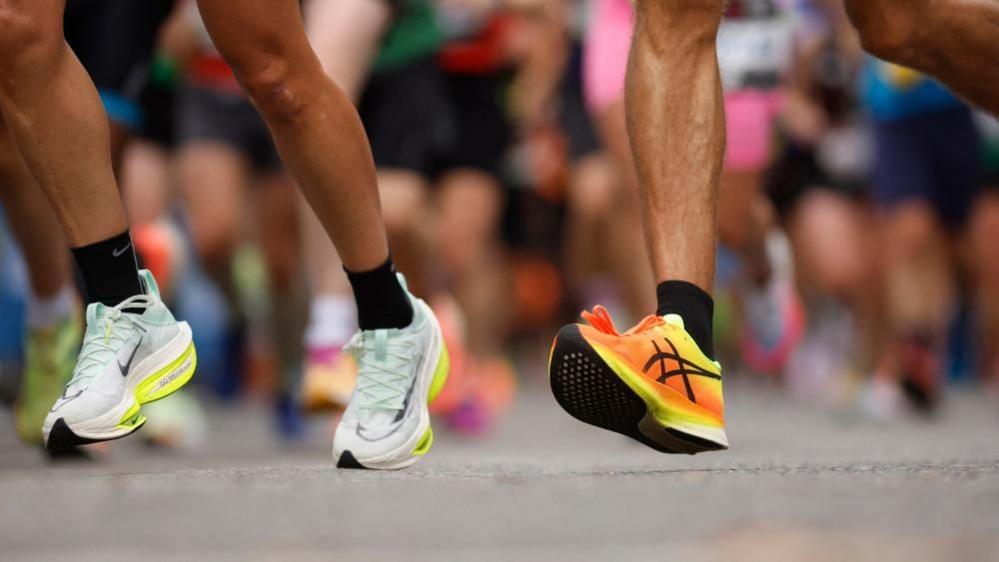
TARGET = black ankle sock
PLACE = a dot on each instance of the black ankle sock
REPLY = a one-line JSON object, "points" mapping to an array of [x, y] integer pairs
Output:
{"points": [[109, 269], [696, 308], [382, 303]]}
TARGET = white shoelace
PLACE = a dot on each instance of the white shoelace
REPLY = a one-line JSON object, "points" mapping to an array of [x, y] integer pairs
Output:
{"points": [[119, 325], [384, 369]]}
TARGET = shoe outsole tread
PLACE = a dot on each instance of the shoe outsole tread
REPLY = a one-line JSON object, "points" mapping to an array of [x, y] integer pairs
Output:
{"points": [[586, 388], [348, 461]]}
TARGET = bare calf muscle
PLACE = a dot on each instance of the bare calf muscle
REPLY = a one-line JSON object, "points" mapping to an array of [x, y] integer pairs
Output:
{"points": [[45, 92], [677, 128]]}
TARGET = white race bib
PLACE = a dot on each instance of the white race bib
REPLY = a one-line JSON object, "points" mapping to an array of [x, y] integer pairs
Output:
{"points": [[754, 47]]}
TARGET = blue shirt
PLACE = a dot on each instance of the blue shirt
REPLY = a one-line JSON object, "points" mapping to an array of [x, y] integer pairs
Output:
{"points": [[891, 92]]}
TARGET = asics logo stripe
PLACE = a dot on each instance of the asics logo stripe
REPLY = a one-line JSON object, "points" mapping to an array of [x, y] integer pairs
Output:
{"points": [[684, 369]]}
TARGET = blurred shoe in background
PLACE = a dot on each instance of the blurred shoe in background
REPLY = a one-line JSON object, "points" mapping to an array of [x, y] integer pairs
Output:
{"points": [[328, 380], [176, 422], [48, 366], [774, 315]]}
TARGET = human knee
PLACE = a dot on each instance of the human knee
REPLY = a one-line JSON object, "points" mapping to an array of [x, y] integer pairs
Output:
{"points": [[593, 191], [888, 30], [915, 232], [215, 243], [404, 205], [214, 234], [984, 231], [274, 85], [27, 37]]}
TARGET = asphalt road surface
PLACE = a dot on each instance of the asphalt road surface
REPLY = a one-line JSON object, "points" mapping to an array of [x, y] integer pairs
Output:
{"points": [[800, 483]]}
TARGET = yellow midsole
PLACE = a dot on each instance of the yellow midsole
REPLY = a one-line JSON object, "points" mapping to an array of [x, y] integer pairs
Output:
{"points": [[143, 393], [436, 386], [440, 374], [128, 418]]}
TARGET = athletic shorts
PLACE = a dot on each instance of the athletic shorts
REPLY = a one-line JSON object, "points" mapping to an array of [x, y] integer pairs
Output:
{"points": [[114, 40], [574, 118], [934, 158], [408, 118], [797, 171], [205, 115], [482, 130]]}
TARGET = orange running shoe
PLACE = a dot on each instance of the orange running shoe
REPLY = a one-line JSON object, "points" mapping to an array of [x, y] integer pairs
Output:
{"points": [[328, 380], [651, 383]]}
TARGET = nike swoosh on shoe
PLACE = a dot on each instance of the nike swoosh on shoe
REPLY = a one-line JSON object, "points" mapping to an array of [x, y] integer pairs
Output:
{"points": [[63, 400], [128, 365]]}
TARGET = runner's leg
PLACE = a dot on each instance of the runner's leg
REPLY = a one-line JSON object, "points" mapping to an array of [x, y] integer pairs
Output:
{"points": [[314, 125], [45, 95], [33, 223], [677, 127], [346, 35]]}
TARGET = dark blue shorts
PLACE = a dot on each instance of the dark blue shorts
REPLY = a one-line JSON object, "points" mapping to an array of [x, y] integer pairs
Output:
{"points": [[935, 158]]}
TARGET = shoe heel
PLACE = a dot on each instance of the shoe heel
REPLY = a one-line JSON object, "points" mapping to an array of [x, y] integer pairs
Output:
{"points": [[169, 379]]}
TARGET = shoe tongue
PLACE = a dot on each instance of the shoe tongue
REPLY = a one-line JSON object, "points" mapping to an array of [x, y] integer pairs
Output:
{"points": [[95, 312], [149, 284]]}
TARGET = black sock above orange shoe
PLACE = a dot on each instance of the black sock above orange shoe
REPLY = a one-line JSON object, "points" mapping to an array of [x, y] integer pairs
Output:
{"points": [[695, 306]]}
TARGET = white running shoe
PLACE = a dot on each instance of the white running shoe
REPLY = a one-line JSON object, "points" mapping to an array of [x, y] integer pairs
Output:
{"points": [[128, 359], [400, 371]]}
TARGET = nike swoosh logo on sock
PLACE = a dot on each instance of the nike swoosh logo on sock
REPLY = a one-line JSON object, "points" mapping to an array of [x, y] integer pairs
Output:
{"points": [[118, 253]]}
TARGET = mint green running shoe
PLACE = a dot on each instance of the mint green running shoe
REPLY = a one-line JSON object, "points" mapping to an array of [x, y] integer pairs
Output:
{"points": [[399, 372], [128, 359], [48, 366]]}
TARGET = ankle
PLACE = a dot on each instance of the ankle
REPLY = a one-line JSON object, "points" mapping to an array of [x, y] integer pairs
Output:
{"points": [[382, 302], [694, 306], [109, 269]]}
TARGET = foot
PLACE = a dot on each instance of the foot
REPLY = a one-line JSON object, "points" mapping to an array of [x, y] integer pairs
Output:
{"points": [[133, 353], [485, 393], [176, 423], [328, 379], [921, 373], [48, 366], [651, 383], [774, 314], [400, 371]]}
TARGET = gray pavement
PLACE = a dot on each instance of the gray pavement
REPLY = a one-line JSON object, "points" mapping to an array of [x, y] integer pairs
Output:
{"points": [[800, 483]]}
